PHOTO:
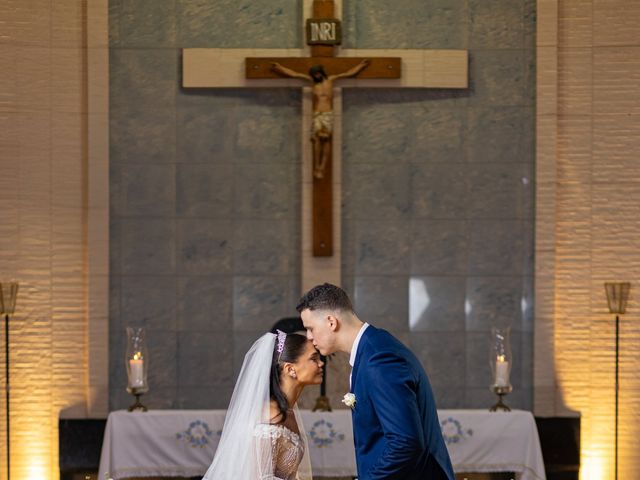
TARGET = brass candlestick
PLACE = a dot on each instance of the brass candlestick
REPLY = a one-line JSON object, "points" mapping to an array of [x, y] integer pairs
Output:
{"points": [[137, 406], [322, 402], [501, 392]]}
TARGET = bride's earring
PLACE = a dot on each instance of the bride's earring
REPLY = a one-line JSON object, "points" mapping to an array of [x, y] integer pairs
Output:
{"points": [[293, 375]]}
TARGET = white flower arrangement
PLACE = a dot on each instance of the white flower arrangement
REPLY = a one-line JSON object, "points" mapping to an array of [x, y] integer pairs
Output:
{"points": [[349, 400]]}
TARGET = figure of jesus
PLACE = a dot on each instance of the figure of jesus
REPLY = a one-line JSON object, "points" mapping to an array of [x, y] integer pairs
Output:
{"points": [[322, 124]]}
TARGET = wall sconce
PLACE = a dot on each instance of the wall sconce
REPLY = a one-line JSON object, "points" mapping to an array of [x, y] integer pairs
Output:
{"points": [[8, 297], [617, 296]]}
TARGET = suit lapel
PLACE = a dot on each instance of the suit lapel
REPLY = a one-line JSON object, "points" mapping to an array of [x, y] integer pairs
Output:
{"points": [[364, 340]]}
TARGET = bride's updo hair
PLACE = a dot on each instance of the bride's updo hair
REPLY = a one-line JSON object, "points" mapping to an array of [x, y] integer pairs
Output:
{"points": [[294, 347]]}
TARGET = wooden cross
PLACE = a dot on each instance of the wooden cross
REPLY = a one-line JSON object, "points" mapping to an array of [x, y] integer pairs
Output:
{"points": [[323, 33], [233, 68]]}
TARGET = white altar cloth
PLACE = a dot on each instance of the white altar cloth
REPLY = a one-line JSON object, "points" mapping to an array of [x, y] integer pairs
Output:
{"points": [[482, 441], [166, 443]]}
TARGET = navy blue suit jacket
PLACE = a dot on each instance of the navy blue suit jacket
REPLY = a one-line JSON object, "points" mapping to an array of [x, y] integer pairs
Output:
{"points": [[395, 423]]}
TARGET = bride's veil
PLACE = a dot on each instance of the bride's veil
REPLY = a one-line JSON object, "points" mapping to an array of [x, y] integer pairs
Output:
{"points": [[304, 469], [239, 455]]}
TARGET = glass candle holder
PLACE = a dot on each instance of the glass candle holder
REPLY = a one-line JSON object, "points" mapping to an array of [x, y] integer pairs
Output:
{"points": [[501, 361], [137, 364], [500, 358]]}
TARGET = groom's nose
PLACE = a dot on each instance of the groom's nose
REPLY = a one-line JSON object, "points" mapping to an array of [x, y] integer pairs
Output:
{"points": [[309, 336]]}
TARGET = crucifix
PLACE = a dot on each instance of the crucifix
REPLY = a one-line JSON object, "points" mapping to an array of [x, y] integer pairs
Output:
{"points": [[220, 68], [323, 34]]}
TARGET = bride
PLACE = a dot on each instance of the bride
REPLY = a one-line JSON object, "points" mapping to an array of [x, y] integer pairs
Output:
{"points": [[263, 436]]}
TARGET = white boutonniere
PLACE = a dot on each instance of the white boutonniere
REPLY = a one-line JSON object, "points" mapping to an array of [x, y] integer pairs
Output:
{"points": [[349, 400]]}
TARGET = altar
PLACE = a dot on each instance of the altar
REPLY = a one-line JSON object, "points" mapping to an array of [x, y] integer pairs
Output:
{"points": [[182, 443]]}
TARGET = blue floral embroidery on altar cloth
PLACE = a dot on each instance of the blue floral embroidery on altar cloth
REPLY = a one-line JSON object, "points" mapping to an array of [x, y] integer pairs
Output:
{"points": [[198, 434], [452, 431], [323, 434]]}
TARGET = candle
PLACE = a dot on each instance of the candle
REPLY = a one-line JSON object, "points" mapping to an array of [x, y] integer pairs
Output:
{"points": [[136, 367], [502, 371]]}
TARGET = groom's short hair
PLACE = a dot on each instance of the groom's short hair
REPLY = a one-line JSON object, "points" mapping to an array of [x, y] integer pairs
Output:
{"points": [[325, 297]]}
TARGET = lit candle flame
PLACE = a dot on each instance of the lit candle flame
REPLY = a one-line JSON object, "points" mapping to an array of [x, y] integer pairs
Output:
{"points": [[501, 358], [137, 356]]}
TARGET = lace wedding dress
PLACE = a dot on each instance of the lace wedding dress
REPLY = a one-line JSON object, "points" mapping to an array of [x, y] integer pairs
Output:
{"points": [[287, 451]]}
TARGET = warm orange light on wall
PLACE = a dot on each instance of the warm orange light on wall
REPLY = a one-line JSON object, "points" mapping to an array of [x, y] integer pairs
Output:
{"points": [[593, 466], [37, 470]]}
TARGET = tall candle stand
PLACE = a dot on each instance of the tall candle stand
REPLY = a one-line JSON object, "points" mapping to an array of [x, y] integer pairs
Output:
{"points": [[617, 297], [8, 296]]}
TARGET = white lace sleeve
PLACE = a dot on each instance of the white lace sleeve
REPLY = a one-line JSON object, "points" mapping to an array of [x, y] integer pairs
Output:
{"points": [[266, 451]]}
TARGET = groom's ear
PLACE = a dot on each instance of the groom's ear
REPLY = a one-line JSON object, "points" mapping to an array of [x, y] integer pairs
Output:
{"points": [[333, 322]]}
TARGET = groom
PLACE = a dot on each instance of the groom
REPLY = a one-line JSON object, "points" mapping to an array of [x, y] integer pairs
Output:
{"points": [[395, 423]]}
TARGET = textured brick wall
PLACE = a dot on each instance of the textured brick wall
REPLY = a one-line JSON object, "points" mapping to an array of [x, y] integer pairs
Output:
{"points": [[44, 218], [588, 209]]}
